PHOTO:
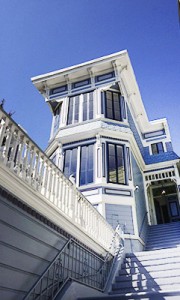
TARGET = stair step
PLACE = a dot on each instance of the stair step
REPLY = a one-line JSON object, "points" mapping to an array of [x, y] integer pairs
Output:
{"points": [[153, 257], [154, 253], [141, 269], [148, 275], [150, 262], [146, 285], [166, 225], [164, 243], [155, 295], [160, 247], [164, 236]]}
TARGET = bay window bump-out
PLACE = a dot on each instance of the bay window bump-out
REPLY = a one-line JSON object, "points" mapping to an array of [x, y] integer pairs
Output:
{"points": [[116, 164], [79, 163]]}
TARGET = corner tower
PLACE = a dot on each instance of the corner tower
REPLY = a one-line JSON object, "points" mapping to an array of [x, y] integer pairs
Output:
{"points": [[102, 140]]}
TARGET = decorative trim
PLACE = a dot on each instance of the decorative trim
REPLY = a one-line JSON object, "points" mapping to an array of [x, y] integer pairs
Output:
{"points": [[117, 192], [153, 134], [161, 169]]}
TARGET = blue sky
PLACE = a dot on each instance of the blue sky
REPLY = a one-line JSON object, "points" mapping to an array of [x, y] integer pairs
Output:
{"points": [[39, 36]]}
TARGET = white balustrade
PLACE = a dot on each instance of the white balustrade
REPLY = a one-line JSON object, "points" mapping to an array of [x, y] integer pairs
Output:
{"points": [[25, 159]]}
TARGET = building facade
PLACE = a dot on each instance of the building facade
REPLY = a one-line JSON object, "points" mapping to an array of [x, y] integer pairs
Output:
{"points": [[102, 140]]}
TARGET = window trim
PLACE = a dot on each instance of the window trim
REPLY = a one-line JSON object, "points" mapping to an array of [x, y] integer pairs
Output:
{"points": [[124, 160]]}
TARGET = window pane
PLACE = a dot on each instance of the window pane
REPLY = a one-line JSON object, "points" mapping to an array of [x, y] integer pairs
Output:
{"points": [[86, 170], [90, 164], [76, 110], [70, 162], [91, 106], [117, 114], [160, 147], [111, 163], [120, 164], [154, 149], [56, 119], [70, 112], [85, 107]]}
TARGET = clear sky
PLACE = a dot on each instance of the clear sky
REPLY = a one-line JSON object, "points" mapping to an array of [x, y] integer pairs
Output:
{"points": [[39, 36]]}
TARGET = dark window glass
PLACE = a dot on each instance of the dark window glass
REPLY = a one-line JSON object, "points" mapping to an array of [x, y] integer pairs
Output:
{"points": [[113, 107], [58, 90], [116, 170], [88, 106], [73, 113], [86, 168], [81, 83], [104, 76], [70, 162], [157, 148]]}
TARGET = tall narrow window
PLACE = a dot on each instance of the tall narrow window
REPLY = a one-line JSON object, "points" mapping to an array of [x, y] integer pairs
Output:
{"points": [[86, 169], [73, 113], [112, 105], [116, 169], [88, 106], [70, 162], [56, 123]]}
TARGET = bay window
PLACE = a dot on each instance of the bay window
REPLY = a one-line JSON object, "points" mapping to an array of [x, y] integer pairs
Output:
{"points": [[79, 162]]}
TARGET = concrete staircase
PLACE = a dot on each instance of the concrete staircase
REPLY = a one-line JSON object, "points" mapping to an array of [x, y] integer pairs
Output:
{"points": [[154, 273]]}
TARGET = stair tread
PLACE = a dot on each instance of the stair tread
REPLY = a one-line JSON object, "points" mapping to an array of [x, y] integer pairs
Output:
{"points": [[137, 295]]}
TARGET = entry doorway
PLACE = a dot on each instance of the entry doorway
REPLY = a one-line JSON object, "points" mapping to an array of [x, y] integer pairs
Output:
{"points": [[166, 203]]}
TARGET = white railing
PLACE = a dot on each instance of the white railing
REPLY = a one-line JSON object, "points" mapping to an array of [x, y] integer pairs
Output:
{"points": [[161, 175], [25, 159]]}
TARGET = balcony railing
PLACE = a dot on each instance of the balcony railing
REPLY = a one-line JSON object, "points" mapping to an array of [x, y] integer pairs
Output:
{"points": [[25, 159]]}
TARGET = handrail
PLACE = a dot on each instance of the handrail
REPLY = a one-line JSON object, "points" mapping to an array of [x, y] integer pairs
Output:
{"points": [[74, 262], [31, 165], [142, 224]]}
